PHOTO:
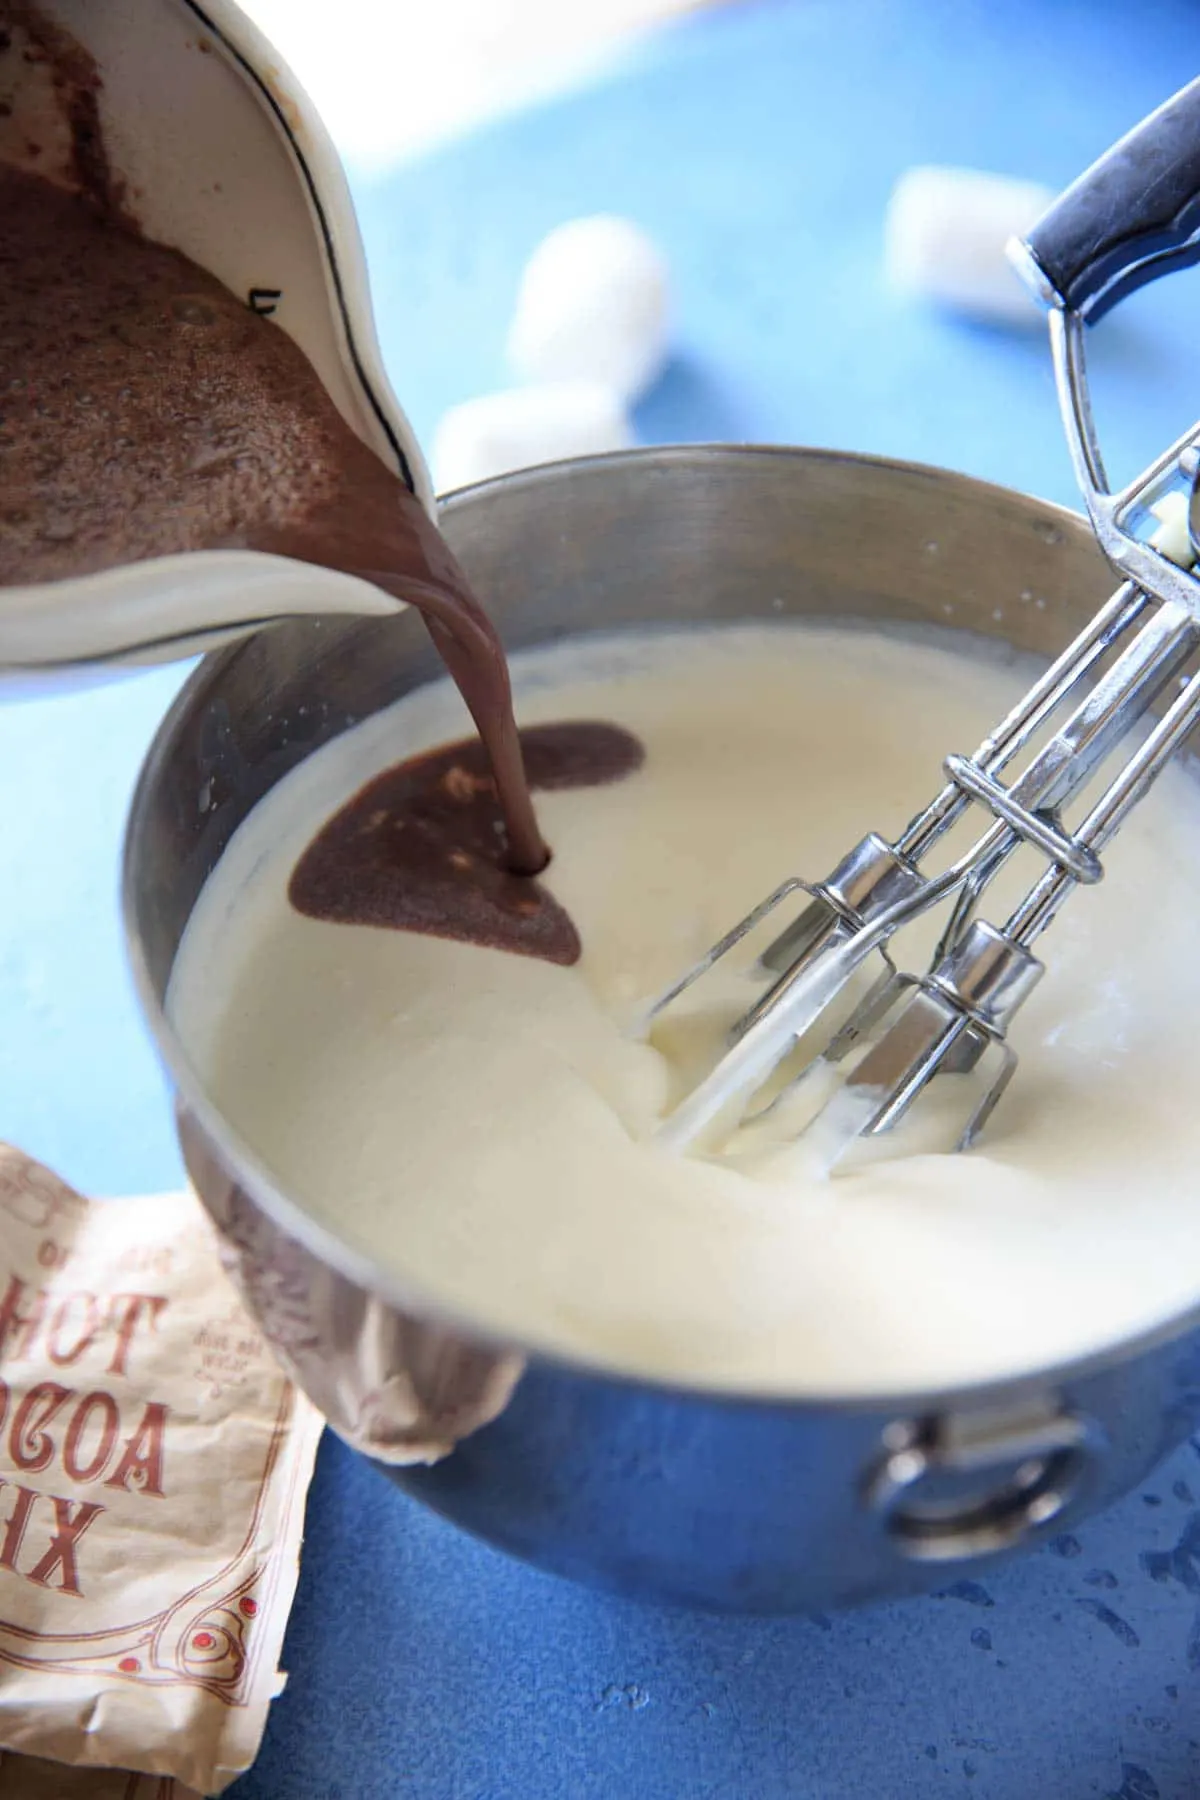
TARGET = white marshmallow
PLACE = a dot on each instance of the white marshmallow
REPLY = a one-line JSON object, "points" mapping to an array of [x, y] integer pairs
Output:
{"points": [[945, 237], [593, 304], [519, 427], [1173, 539]]}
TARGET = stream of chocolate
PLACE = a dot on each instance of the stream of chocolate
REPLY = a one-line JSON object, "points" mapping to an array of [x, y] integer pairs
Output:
{"points": [[145, 410]]}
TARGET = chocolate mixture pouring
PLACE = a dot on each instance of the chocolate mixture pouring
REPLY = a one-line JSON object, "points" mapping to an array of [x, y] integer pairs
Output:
{"points": [[147, 411]]}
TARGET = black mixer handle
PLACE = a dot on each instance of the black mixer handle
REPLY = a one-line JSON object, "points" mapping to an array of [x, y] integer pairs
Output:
{"points": [[1134, 215]]}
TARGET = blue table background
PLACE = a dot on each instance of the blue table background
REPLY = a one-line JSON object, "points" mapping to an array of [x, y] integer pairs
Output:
{"points": [[759, 145]]}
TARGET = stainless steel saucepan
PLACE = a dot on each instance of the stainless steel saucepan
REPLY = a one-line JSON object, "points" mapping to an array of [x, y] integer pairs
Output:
{"points": [[731, 1501]]}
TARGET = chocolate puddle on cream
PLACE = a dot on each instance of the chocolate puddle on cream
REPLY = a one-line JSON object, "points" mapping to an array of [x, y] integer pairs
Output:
{"points": [[144, 410], [416, 848]]}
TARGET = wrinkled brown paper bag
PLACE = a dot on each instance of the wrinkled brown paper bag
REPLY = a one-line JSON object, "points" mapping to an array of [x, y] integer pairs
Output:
{"points": [[154, 1463]]}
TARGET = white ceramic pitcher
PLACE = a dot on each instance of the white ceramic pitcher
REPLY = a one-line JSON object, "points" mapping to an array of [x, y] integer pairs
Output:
{"points": [[224, 158]]}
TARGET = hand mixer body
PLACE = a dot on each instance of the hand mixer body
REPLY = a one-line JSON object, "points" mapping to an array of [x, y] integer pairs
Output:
{"points": [[1133, 215], [221, 155]]}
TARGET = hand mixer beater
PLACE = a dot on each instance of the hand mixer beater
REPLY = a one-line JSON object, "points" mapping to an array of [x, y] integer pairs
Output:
{"points": [[880, 1044]]}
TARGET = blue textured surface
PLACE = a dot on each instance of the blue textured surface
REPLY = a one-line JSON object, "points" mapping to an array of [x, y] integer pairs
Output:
{"points": [[759, 146]]}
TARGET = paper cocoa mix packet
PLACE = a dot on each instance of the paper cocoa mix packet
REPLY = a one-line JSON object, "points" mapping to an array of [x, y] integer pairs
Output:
{"points": [[154, 1463]]}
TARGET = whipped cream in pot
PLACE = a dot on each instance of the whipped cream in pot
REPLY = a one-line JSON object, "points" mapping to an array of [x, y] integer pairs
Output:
{"points": [[478, 1120]]}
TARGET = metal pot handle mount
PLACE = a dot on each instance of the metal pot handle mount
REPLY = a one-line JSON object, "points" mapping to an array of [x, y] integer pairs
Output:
{"points": [[968, 1484]]}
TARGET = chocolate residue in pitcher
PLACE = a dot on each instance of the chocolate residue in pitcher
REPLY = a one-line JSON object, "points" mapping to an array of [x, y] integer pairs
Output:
{"points": [[145, 410], [421, 848], [27, 32]]}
